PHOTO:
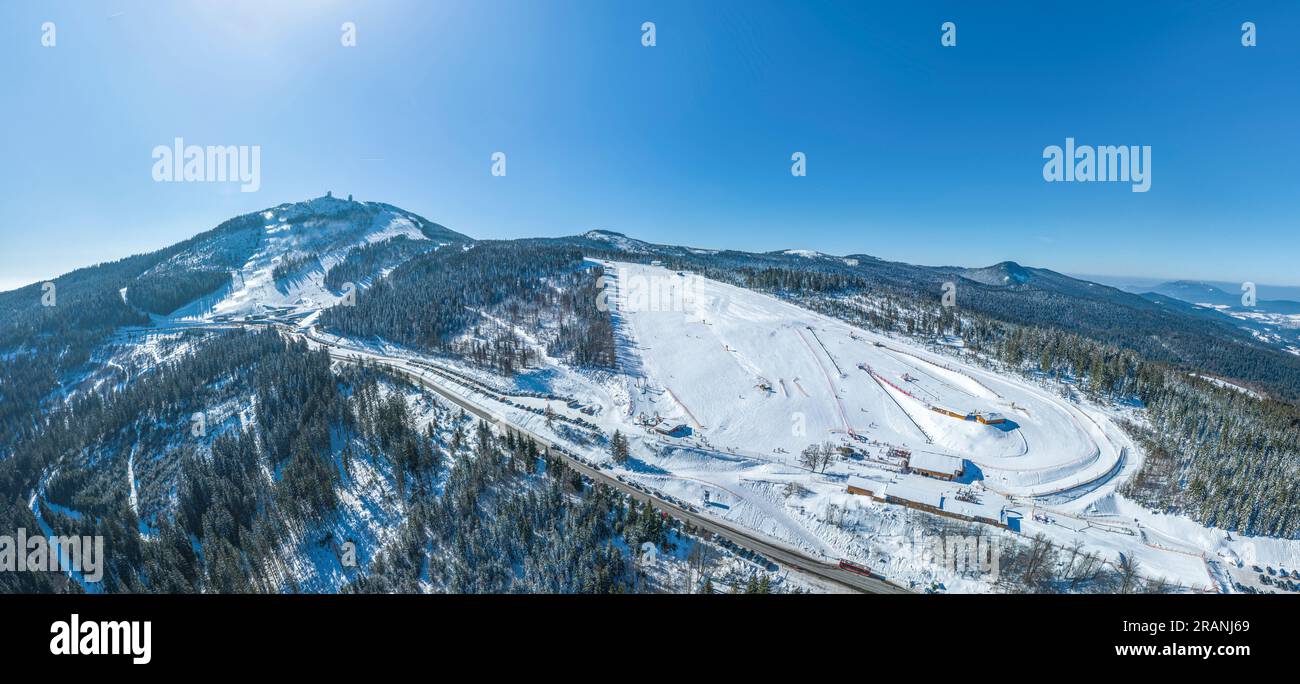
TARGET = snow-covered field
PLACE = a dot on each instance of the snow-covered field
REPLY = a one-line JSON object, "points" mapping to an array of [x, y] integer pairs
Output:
{"points": [[747, 372]]}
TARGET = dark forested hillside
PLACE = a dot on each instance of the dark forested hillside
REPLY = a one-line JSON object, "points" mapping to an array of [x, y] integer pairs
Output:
{"points": [[48, 332], [1221, 456], [295, 265], [164, 293], [54, 335], [470, 302], [373, 258], [510, 520], [238, 505]]}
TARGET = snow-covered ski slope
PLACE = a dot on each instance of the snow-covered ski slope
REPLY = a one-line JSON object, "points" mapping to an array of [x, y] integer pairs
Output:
{"points": [[319, 228], [749, 372]]}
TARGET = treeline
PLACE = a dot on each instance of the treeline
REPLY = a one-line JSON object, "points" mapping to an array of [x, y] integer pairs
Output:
{"points": [[295, 265], [795, 281], [468, 302], [363, 262], [1223, 457], [514, 520], [53, 342], [228, 509], [247, 495], [163, 293], [585, 334]]}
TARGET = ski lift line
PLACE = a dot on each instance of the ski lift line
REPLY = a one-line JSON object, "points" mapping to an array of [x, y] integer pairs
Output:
{"points": [[945, 367], [827, 352], [829, 384], [920, 370], [894, 399], [682, 404], [928, 392]]}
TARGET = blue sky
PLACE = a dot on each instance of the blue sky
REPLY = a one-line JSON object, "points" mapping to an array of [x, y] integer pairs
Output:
{"points": [[915, 152]]}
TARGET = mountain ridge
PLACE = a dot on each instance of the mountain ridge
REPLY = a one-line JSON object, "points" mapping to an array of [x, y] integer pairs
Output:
{"points": [[279, 259]]}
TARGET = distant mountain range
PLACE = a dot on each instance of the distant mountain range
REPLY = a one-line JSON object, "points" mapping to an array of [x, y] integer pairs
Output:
{"points": [[1274, 318], [1198, 292], [1213, 292]]}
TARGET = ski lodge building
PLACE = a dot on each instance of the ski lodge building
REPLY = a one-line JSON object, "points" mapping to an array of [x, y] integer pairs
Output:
{"points": [[990, 418], [936, 465], [933, 497], [670, 429]]}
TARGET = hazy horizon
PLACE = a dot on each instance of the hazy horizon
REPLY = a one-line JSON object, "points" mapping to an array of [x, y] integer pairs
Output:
{"points": [[1114, 280]]}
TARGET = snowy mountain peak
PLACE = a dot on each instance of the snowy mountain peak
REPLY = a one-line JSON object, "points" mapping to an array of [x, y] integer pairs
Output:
{"points": [[602, 234], [1003, 273], [1196, 287], [616, 240], [278, 258]]}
